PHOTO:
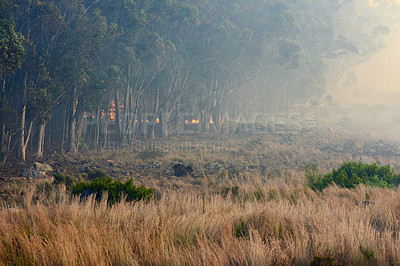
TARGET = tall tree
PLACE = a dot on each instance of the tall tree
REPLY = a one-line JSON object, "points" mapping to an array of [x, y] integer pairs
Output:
{"points": [[11, 57]]}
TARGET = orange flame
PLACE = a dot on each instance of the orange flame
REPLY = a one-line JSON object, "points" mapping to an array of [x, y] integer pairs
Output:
{"points": [[112, 111]]}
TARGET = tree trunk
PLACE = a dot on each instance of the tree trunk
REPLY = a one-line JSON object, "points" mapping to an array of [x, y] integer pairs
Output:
{"points": [[22, 143], [49, 139], [164, 121], [22, 149], [72, 147], [155, 112], [3, 142], [65, 129], [97, 130], [78, 134], [3, 134], [105, 143], [117, 118], [71, 135], [127, 109], [40, 140], [177, 121], [3, 90], [205, 121]]}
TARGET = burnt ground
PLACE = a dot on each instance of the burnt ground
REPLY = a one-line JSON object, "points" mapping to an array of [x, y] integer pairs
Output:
{"points": [[266, 154]]}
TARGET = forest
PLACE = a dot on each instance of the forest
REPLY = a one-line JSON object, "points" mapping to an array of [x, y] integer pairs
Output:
{"points": [[78, 75]]}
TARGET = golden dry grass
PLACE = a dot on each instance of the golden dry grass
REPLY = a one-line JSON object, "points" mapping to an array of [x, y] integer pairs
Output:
{"points": [[283, 224]]}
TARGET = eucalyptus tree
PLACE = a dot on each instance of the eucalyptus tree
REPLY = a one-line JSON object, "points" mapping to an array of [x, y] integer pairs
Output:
{"points": [[40, 22], [244, 40], [43, 91], [11, 57], [177, 23], [74, 62]]}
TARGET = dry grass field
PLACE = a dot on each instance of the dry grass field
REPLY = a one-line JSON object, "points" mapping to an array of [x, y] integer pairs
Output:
{"points": [[245, 204], [274, 223]]}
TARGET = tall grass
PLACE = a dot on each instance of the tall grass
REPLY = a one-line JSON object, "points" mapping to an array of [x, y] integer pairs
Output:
{"points": [[280, 224]]}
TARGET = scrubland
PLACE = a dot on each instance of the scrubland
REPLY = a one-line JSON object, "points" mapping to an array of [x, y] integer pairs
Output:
{"points": [[248, 203], [272, 223]]}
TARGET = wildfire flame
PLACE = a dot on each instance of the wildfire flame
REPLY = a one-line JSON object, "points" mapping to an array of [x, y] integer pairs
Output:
{"points": [[111, 116], [112, 111], [193, 121], [88, 114]]}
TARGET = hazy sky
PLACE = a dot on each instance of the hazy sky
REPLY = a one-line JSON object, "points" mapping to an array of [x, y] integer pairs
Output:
{"points": [[376, 81], [376, 3]]}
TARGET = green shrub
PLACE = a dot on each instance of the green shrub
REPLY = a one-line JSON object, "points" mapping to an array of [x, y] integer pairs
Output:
{"points": [[233, 190], [181, 170], [351, 174], [115, 189], [242, 230], [63, 179], [150, 154], [259, 195], [272, 195], [98, 173]]}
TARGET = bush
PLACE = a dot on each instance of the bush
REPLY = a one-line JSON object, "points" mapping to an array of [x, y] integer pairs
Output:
{"points": [[242, 230], [233, 190], [150, 154], [351, 174], [98, 173], [114, 188], [63, 179], [181, 170]]}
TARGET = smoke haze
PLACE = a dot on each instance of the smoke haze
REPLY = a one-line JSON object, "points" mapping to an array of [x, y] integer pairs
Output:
{"points": [[375, 82]]}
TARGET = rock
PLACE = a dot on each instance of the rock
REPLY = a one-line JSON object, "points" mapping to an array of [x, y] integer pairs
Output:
{"points": [[37, 170], [29, 173], [42, 167]]}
